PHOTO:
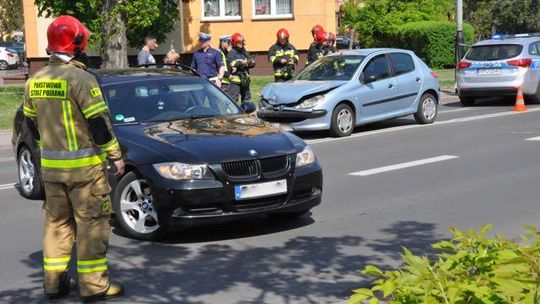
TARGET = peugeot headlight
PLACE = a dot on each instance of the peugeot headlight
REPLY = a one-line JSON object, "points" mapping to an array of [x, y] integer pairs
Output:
{"points": [[311, 103], [304, 158], [179, 171]]}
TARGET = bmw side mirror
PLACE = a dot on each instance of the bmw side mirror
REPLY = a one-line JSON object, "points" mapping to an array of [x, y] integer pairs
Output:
{"points": [[249, 107]]}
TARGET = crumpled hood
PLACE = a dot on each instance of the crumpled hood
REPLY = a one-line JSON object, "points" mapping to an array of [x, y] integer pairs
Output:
{"points": [[293, 91]]}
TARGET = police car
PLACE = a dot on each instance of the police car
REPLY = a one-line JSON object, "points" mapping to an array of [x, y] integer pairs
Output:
{"points": [[499, 67]]}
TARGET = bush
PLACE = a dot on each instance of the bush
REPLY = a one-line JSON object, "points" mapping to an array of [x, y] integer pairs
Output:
{"points": [[470, 269], [433, 41]]}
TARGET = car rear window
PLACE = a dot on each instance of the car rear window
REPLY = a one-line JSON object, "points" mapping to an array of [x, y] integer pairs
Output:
{"points": [[494, 52]]}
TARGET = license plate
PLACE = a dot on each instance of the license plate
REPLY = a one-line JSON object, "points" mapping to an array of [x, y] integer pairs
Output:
{"points": [[242, 192], [489, 72]]}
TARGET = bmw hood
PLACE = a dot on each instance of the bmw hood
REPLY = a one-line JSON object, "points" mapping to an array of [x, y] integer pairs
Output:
{"points": [[214, 140], [292, 91]]}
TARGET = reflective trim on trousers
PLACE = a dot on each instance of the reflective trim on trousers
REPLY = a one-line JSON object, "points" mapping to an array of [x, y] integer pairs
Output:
{"points": [[92, 265], [56, 264]]}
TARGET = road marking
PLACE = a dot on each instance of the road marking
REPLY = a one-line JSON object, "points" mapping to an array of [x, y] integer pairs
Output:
{"points": [[437, 123], [534, 138], [404, 165], [7, 159], [7, 186], [454, 110]]}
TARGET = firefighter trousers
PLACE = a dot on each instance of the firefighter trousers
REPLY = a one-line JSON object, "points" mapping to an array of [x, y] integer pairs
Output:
{"points": [[237, 90], [77, 213]]}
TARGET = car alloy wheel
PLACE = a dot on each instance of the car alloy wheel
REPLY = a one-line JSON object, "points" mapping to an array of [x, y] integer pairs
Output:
{"points": [[345, 120], [429, 108], [27, 172], [3, 65], [137, 208]]}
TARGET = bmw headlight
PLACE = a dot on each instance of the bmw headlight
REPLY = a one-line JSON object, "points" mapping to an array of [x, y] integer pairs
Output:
{"points": [[304, 158], [180, 171], [311, 103]]}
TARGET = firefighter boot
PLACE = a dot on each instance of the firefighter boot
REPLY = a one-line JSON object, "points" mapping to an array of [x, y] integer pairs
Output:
{"points": [[65, 286], [115, 290]]}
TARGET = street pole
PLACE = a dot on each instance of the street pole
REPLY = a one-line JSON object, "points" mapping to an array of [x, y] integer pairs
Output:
{"points": [[459, 33]]}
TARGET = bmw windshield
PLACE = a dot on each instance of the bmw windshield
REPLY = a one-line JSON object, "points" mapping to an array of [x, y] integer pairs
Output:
{"points": [[159, 100], [331, 68]]}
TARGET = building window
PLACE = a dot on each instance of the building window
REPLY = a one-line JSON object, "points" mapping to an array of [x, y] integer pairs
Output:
{"points": [[272, 9], [221, 10]]}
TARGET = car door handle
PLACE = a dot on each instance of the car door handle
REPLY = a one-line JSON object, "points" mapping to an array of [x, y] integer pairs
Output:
{"points": [[390, 86], [418, 79]]}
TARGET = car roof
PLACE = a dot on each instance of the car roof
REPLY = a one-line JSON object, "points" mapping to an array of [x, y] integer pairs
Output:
{"points": [[521, 41], [367, 52], [110, 76]]}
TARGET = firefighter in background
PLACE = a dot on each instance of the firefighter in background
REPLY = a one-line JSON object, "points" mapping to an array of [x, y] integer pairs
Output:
{"points": [[330, 41], [316, 49], [225, 47], [240, 62], [283, 57], [69, 118], [315, 29]]}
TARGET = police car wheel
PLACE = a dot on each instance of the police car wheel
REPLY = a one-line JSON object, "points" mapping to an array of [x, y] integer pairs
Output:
{"points": [[134, 208], [343, 121], [466, 101], [427, 109], [3, 65], [29, 180]]}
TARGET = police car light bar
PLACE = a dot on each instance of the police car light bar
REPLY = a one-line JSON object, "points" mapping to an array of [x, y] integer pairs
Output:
{"points": [[509, 36]]}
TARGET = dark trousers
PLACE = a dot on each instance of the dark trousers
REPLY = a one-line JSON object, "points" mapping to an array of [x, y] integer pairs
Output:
{"points": [[236, 90], [226, 88]]}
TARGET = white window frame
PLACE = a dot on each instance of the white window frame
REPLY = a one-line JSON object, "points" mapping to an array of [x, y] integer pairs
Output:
{"points": [[222, 16], [272, 15]]}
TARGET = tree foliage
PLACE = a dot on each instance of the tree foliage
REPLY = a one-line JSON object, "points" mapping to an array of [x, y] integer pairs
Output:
{"points": [[142, 17], [503, 16], [12, 16], [376, 20]]}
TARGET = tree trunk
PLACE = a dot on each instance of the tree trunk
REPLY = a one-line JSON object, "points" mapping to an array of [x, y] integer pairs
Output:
{"points": [[114, 40]]}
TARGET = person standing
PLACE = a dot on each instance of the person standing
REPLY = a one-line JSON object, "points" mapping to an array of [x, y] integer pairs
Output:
{"points": [[283, 57], [316, 49], [330, 41], [145, 56], [240, 62], [208, 61], [225, 47], [171, 59], [69, 118]]}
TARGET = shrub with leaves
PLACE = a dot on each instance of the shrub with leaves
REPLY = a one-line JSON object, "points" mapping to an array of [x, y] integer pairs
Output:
{"points": [[469, 268]]}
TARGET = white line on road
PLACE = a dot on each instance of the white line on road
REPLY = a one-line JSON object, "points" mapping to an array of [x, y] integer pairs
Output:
{"points": [[404, 165], [438, 123], [534, 138], [454, 110], [7, 159], [7, 186]]}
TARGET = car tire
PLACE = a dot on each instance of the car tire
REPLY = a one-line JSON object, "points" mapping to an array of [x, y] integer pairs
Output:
{"points": [[288, 216], [3, 65], [135, 210], [428, 108], [466, 101], [28, 174], [343, 121], [534, 99]]}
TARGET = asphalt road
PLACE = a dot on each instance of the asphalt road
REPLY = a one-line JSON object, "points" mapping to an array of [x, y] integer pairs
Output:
{"points": [[391, 184]]}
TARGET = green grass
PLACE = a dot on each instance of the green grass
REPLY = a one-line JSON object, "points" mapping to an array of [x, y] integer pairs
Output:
{"points": [[11, 98]]}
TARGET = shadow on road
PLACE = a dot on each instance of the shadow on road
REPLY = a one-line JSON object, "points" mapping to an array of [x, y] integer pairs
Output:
{"points": [[303, 269]]}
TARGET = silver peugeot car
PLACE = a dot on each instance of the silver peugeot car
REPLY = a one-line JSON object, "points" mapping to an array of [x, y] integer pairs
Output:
{"points": [[352, 88], [499, 66]]}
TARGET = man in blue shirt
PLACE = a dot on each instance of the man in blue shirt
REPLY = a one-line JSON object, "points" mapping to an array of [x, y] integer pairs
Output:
{"points": [[208, 61]]}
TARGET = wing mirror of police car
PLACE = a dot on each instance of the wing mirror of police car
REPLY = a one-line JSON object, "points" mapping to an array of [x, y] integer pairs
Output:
{"points": [[249, 107]]}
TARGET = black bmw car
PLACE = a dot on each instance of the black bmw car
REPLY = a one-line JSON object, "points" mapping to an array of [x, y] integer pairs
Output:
{"points": [[193, 157]]}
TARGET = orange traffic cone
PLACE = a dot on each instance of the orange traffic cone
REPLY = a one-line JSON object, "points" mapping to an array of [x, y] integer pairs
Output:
{"points": [[520, 102]]}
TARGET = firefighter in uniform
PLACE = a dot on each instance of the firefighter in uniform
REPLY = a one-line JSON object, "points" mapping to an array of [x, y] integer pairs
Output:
{"points": [[225, 48], [69, 118], [283, 57], [240, 62], [330, 41], [316, 49]]}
